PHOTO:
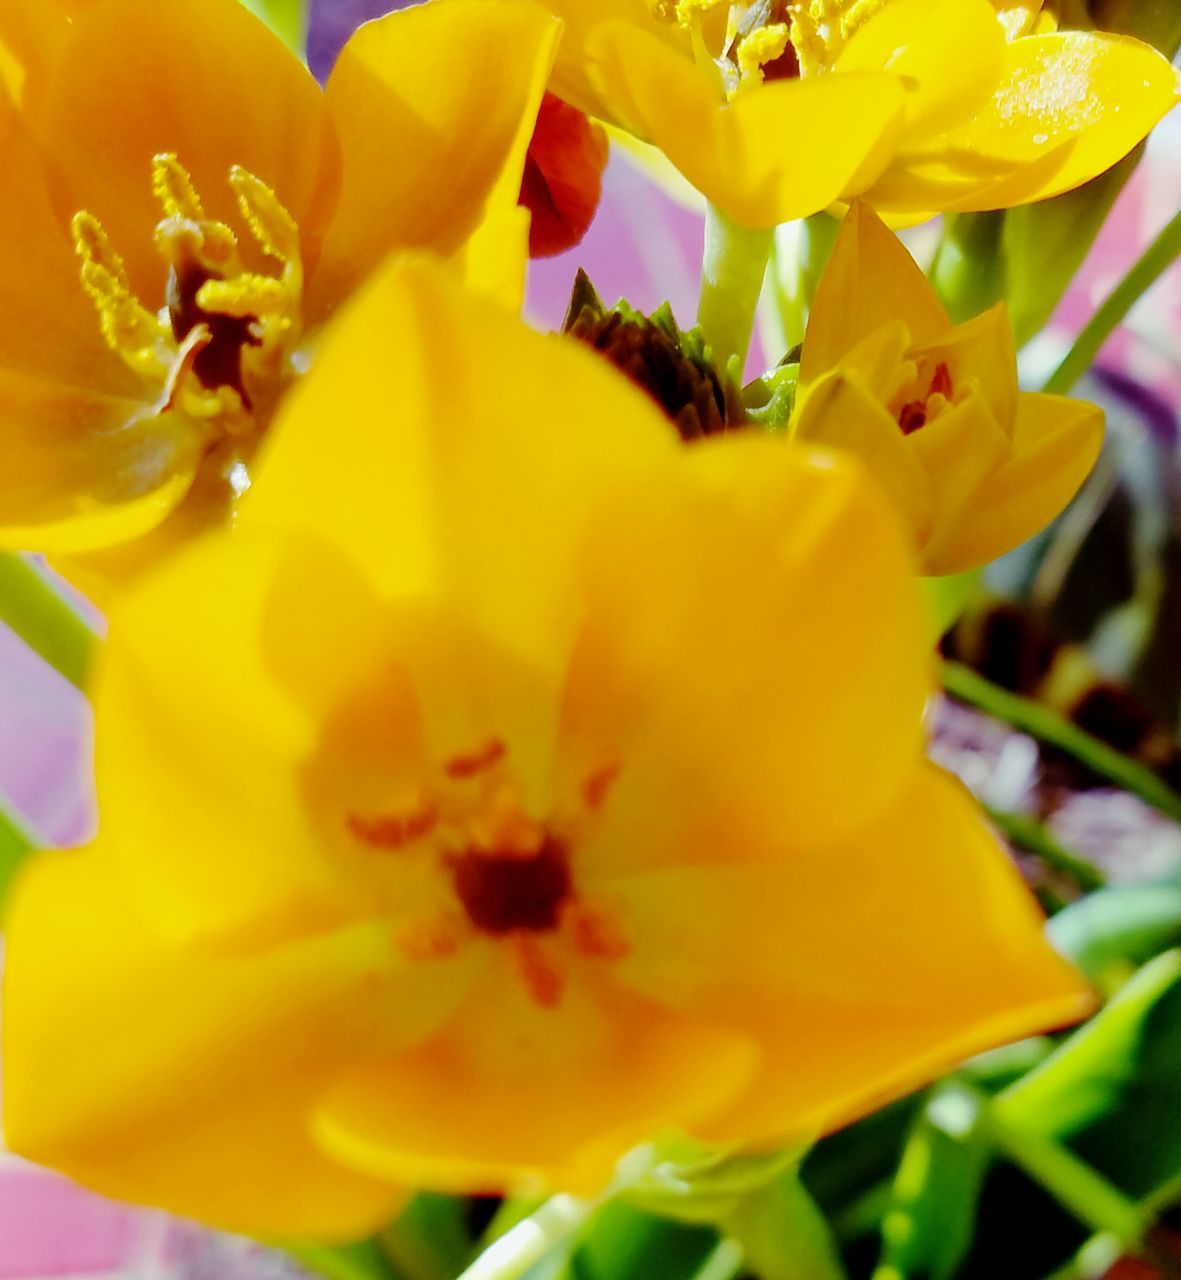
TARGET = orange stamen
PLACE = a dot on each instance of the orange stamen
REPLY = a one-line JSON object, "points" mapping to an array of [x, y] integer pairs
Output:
{"points": [[393, 831], [595, 788], [464, 767], [543, 979], [597, 933]]}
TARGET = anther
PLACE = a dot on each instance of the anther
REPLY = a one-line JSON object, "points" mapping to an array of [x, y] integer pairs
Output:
{"points": [[172, 185]]}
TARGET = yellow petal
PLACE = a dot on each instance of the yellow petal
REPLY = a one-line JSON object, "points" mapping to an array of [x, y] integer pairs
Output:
{"points": [[801, 692], [454, 89], [781, 152], [1017, 17], [31, 33], [959, 450], [202, 78], [472, 445], [855, 997], [181, 1079], [511, 1089], [81, 471], [1068, 106], [1055, 445], [205, 696], [839, 412], [981, 351], [949, 52], [870, 281]]}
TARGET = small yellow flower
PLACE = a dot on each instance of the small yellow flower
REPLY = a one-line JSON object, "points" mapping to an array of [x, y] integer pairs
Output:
{"points": [[187, 210], [515, 785], [974, 465], [775, 109]]}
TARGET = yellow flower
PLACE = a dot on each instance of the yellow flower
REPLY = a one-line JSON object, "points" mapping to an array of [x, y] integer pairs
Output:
{"points": [[188, 208], [775, 110], [974, 465], [514, 785]]}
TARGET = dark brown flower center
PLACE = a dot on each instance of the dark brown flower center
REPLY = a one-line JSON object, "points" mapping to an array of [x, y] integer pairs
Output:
{"points": [[504, 893], [219, 362]]}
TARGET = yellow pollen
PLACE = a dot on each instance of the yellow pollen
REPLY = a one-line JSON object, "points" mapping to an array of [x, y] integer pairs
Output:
{"points": [[224, 339], [761, 46]]}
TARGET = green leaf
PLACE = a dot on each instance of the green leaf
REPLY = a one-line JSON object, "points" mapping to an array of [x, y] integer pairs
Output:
{"points": [[624, 1243], [1118, 928], [927, 1229], [288, 19], [1044, 245], [361, 1261], [1112, 1090], [782, 1233], [1157, 21], [430, 1239]]}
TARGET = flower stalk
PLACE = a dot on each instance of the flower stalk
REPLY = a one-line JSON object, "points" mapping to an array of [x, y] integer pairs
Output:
{"points": [[731, 283], [37, 611]]}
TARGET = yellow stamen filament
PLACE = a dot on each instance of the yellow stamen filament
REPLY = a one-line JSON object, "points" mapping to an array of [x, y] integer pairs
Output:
{"points": [[226, 337]]}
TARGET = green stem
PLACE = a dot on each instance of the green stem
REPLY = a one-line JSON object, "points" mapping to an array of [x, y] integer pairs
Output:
{"points": [[1033, 837], [731, 282], [341, 1262], [1050, 727], [1073, 1183], [1148, 268], [16, 841], [524, 1245], [44, 619]]}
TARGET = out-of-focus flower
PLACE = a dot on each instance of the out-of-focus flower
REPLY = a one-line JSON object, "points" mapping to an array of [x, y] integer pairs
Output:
{"points": [[974, 465], [775, 110], [179, 154], [516, 784], [563, 177]]}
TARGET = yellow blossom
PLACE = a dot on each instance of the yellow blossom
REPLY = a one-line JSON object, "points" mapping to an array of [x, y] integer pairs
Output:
{"points": [[974, 465], [515, 785], [775, 109], [192, 209]]}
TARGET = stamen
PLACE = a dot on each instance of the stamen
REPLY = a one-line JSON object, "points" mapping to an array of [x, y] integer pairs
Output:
{"points": [[172, 185], [595, 788], [596, 932], [393, 831], [225, 332], [468, 766], [542, 978], [129, 328]]}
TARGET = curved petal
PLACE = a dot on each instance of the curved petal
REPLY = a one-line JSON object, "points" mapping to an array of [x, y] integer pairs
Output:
{"points": [[870, 281], [511, 1089], [79, 471], [202, 78], [981, 352], [959, 450], [48, 325], [855, 997], [950, 53], [782, 151], [1056, 104], [1055, 445], [479, 495], [782, 653], [31, 34], [177, 1078], [434, 106], [839, 413], [573, 78]]}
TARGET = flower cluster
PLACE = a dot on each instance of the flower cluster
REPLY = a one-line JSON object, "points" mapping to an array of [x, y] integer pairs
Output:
{"points": [[491, 780]]}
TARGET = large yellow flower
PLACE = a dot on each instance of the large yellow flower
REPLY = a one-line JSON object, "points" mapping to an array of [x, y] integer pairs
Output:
{"points": [[775, 109], [974, 465], [514, 785], [186, 208]]}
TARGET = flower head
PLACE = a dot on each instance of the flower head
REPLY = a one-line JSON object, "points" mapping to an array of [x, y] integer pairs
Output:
{"points": [[515, 785], [973, 465], [775, 109], [193, 209]]}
